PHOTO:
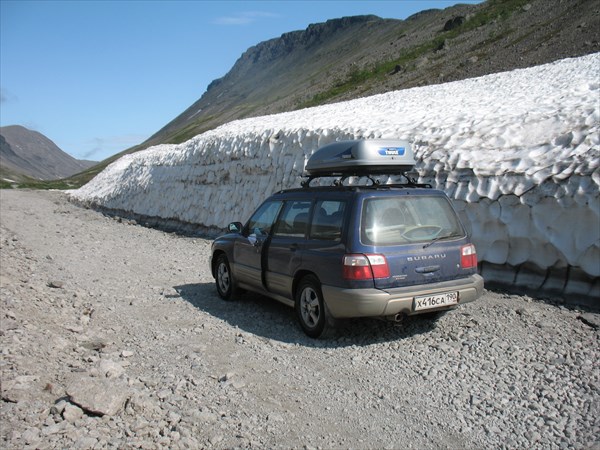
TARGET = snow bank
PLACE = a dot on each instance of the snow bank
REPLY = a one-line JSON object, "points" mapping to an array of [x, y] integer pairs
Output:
{"points": [[518, 152]]}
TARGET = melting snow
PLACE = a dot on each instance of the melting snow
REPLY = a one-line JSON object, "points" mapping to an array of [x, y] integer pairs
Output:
{"points": [[518, 152]]}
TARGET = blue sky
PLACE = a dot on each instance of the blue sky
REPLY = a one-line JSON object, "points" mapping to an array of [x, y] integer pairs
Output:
{"points": [[98, 77]]}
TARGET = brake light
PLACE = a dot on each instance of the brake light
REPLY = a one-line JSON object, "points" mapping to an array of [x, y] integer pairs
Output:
{"points": [[365, 267], [468, 256]]}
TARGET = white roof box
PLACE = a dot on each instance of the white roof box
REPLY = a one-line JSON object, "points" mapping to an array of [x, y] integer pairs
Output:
{"points": [[361, 157]]}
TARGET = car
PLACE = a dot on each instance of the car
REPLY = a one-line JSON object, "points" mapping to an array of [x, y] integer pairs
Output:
{"points": [[354, 248]]}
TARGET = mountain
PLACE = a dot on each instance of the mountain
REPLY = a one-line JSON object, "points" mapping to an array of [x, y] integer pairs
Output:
{"points": [[354, 57], [29, 153], [359, 56]]}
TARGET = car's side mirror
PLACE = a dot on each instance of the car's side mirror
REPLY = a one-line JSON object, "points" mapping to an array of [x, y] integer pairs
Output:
{"points": [[235, 227]]}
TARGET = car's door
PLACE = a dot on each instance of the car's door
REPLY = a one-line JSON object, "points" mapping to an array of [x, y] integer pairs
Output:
{"points": [[286, 246], [324, 248], [248, 249]]}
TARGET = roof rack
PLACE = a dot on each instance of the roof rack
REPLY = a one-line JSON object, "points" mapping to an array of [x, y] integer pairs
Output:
{"points": [[362, 158]]}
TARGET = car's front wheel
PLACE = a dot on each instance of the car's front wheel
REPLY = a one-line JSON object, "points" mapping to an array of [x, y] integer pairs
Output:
{"points": [[224, 278], [310, 307]]}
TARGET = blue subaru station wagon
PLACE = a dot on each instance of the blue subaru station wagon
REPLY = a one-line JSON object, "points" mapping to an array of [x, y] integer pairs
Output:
{"points": [[352, 249]]}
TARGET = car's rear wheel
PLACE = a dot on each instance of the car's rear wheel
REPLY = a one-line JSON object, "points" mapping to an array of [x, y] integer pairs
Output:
{"points": [[224, 278], [310, 308]]}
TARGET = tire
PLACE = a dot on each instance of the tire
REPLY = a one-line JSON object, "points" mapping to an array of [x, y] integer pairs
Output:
{"points": [[224, 278], [310, 308]]}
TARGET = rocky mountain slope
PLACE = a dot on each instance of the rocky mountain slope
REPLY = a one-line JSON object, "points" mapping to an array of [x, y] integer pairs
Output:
{"points": [[29, 153], [353, 57]]}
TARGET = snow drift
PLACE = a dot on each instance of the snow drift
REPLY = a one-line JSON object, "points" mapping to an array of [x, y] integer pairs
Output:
{"points": [[518, 152]]}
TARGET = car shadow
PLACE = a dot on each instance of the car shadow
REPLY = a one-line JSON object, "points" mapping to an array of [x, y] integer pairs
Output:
{"points": [[269, 319]]}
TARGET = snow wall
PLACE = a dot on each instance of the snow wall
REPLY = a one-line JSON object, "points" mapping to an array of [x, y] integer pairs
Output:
{"points": [[518, 152]]}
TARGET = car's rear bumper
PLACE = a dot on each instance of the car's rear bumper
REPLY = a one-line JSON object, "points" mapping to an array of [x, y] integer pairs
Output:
{"points": [[344, 303]]}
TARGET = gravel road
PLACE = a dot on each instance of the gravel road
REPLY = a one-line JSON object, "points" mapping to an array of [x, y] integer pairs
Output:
{"points": [[112, 336]]}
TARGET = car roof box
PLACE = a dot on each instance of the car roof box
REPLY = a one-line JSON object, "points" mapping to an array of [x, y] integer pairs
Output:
{"points": [[361, 157]]}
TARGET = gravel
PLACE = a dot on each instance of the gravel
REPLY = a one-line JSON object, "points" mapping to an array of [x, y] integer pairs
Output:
{"points": [[112, 336]]}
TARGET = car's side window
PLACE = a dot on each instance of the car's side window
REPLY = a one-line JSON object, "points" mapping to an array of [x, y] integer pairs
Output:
{"points": [[262, 220], [294, 219], [327, 220]]}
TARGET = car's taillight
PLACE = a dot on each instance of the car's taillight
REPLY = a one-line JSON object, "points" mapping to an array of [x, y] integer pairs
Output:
{"points": [[365, 267], [468, 256]]}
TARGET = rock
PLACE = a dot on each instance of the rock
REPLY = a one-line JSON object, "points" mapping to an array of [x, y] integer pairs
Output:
{"points": [[238, 384], [141, 404], [30, 436], [110, 369], [533, 436], [58, 407], [455, 22], [214, 440], [9, 324], [86, 442], [56, 284], [275, 417], [227, 377], [173, 417], [19, 389], [99, 396], [206, 417], [74, 328], [94, 344], [590, 319], [545, 324], [53, 429], [444, 45], [163, 394], [126, 353], [71, 413]]}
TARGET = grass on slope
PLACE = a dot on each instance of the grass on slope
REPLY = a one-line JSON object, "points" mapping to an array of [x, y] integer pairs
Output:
{"points": [[494, 10]]}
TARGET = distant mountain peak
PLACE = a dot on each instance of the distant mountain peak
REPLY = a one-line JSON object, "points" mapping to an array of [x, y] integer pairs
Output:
{"points": [[30, 153]]}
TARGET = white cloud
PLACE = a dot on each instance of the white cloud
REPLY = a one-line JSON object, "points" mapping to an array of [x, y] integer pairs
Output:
{"points": [[244, 18]]}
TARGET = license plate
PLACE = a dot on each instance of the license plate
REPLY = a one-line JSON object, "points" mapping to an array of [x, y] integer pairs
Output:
{"points": [[436, 301]]}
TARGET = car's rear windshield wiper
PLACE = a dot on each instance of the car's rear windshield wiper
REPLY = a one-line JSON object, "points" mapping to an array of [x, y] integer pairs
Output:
{"points": [[439, 238]]}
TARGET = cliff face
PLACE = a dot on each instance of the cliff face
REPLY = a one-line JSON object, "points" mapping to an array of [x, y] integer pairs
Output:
{"points": [[315, 35], [269, 74]]}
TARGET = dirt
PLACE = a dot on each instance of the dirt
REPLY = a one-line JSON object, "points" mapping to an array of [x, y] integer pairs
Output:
{"points": [[112, 336]]}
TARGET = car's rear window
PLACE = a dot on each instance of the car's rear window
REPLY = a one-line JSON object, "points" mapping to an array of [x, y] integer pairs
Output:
{"points": [[408, 219]]}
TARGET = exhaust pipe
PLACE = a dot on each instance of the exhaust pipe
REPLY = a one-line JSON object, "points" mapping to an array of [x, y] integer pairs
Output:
{"points": [[396, 317]]}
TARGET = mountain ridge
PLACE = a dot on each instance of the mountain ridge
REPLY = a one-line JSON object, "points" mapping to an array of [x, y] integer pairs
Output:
{"points": [[29, 153], [357, 56]]}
